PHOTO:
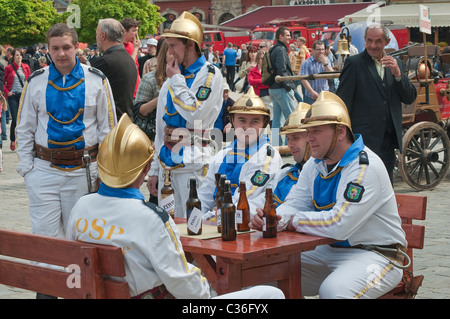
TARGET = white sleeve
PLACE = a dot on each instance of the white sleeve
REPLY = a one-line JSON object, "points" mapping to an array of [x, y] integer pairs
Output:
{"points": [[27, 121], [187, 101], [264, 164], [182, 280]]}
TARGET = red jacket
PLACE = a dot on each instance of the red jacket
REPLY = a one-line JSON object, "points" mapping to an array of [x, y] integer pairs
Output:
{"points": [[9, 76], [254, 79]]}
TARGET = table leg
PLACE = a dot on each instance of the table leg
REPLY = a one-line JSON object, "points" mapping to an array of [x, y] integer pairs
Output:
{"points": [[292, 286]]}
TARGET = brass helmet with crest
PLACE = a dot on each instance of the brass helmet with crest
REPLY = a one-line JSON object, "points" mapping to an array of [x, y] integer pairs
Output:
{"points": [[250, 103], [186, 26], [123, 154], [294, 122], [327, 109]]}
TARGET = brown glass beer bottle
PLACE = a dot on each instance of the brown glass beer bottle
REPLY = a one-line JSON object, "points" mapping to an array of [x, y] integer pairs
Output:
{"points": [[219, 202], [167, 195], [228, 215], [193, 210], [242, 209], [269, 218]]}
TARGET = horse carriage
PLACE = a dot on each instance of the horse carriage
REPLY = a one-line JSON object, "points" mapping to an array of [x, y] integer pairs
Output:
{"points": [[424, 161]]}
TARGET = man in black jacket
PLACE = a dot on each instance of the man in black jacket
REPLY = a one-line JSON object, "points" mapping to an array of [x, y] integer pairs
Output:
{"points": [[373, 87], [116, 64], [282, 93]]}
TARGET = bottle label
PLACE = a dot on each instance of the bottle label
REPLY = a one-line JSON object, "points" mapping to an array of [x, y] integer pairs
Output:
{"points": [[265, 224], [195, 220], [239, 216], [219, 217], [168, 204]]}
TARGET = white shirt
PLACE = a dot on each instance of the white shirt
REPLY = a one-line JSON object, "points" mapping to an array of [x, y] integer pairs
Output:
{"points": [[152, 249]]}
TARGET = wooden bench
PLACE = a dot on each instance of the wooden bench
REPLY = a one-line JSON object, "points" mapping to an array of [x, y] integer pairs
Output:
{"points": [[410, 207], [21, 253]]}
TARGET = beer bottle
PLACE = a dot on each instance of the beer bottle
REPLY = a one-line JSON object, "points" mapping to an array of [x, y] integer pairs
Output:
{"points": [[242, 209], [228, 215], [219, 202], [167, 195], [269, 218], [193, 210]]}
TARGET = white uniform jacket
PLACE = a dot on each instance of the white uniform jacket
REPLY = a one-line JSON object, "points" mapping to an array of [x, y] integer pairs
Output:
{"points": [[149, 239], [99, 117], [364, 211], [199, 105], [258, 173]]}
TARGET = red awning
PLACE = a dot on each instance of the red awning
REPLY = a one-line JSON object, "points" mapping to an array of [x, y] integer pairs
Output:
{"points": [[319, 13]]}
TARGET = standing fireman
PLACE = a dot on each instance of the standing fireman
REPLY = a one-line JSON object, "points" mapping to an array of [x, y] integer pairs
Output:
{"points": [[188, 105], [65, 112]]}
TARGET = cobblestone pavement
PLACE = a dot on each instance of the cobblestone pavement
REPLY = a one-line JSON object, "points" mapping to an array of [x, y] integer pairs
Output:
{"points": [[432, 262]]}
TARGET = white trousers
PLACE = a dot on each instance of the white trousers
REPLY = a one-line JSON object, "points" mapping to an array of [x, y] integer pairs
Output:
{"points": [[256, 292], [51, 198], [347, 273], [180, 184]]}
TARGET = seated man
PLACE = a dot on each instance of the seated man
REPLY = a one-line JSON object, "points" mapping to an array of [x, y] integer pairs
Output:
{"points": [[155, 263], [287, 177], [345, 194], [249, 158]]}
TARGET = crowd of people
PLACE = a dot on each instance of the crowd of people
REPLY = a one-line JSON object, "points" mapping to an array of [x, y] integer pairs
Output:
{"points": [[88, 134]]}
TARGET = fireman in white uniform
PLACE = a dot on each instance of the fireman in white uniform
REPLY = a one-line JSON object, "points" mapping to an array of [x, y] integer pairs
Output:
{"points": [[65, 112], [189, 103], [249, 158], [118, 215], [345, 194], [289, 174]]}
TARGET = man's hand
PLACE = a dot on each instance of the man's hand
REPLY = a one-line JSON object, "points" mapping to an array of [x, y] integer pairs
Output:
{"points": [[391, 63], [257, 222], [152, 181], [137, 42], [172, 68]]}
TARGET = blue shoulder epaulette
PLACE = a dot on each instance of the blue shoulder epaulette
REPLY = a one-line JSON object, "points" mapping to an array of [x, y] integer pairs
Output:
{"points": [[287, 165], [98, 72], [34, 74], [363, 158], [211, 68], [158, 210]]}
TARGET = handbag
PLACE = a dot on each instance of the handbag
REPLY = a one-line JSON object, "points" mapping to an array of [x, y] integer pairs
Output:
{"points": [[146, 124], [239, 86], [3, 105]]}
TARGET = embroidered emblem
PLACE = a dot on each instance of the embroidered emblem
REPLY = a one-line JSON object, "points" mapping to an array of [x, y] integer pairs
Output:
{"points": [[203, 93], [354, 192], [259, 179]]}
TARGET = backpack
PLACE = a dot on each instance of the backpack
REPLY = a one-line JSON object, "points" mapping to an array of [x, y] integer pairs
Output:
{"points": [[267, 71]]}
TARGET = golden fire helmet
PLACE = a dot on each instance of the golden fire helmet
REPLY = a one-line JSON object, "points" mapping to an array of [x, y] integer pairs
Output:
{"points": [[123, 154], [186, 26], [294, 121], [250, 103], [327, 109]]}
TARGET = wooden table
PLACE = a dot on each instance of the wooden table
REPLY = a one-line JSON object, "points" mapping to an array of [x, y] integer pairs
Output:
{"points": [[252, 260]]}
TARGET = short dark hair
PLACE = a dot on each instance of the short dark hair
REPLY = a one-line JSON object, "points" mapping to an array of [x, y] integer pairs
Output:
{"points": [[280, 31], [129, 23], [316, 43], [62, 29]]}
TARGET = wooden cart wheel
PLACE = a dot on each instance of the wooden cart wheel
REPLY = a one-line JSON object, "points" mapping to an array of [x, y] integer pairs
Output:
{"points": [[424, 161]]}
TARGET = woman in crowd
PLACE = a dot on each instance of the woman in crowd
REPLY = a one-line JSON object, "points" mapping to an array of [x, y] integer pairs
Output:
{"points": [[15, 75], [248, 64], [254, 79]]}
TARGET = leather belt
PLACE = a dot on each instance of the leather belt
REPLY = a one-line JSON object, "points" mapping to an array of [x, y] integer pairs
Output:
{"points": [[159, 292], [392, 252], [65, 156], [185, 137]]}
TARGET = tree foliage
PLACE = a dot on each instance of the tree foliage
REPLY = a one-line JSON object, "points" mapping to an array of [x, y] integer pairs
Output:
{"points": [[91, 11], [25, 22]]}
